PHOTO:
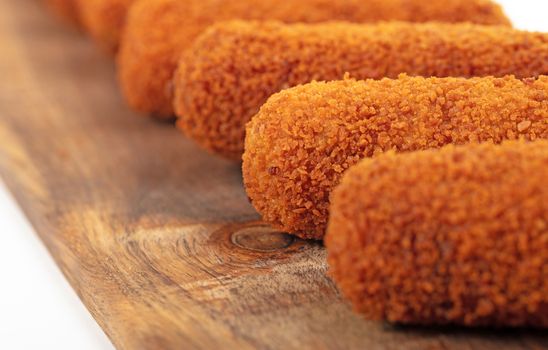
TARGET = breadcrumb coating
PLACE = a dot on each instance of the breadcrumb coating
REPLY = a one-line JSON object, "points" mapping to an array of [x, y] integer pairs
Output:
{"points": [[234, 67], [304, 138], [104, 20], [67, 10], [158, 31], [457, 235]]}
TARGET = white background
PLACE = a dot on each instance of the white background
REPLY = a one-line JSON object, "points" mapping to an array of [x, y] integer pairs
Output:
{"points": [[38, 310]]}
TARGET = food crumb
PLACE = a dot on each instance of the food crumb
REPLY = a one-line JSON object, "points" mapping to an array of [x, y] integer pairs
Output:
{"points": [[524, 125]]}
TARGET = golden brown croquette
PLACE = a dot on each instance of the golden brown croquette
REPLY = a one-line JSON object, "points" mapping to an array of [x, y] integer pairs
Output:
{"points": [[457, 235], [159, 30], [104, 20], [304, 138], [67, 10], [234, 67]]}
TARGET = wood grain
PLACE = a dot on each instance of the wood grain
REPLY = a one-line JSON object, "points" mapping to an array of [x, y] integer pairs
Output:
{"points": [[157, 237]]}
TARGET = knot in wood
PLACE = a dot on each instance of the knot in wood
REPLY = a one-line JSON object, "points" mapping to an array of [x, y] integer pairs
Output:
{"points": [[262, 239]]}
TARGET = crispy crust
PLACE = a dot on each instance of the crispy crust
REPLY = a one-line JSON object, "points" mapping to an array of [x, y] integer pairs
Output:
{"points": [[158, 31], [104, 21], [451, 236], [234, 67], [304, 138], [66, 10]]}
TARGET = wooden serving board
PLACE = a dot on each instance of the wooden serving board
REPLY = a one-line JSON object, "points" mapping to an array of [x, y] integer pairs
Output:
{"points": [[156, 236]]}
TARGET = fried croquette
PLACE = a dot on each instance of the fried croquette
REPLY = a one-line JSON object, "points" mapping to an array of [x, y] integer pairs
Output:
{"points": [[457, 235], [104, 20], [67, 10], [158, 31], [234, 67], [304, 138]]}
